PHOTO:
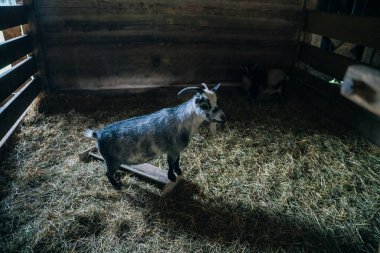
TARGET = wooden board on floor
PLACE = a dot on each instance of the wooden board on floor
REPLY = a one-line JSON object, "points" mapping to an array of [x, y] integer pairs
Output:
{"points": [[145, 170]]}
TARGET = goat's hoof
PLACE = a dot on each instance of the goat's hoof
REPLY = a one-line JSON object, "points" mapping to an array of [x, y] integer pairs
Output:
{"points": [[172, 177]]}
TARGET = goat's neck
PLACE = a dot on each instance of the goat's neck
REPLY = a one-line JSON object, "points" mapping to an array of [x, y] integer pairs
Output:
{"points": [[191, 117]]}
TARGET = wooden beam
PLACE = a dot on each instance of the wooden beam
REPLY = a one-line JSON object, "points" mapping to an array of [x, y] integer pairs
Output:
{"points": [[144, 4], [14, 49], [328, 63], [315, 83], [362, 86], [17, 75], [17, 105], [123, 22], [11, 16], [359, 30], [282, 38]]}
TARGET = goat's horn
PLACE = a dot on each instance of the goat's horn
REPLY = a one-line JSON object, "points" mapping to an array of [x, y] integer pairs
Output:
{"points": [[189, 88], [205, 85]]}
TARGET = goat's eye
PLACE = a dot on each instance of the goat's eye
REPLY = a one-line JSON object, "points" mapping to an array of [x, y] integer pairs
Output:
{"points": [[205, 106]]}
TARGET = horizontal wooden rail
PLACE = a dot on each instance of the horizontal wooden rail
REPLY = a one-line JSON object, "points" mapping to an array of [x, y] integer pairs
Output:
{"points": [[328, 63], [17, 75], [16, 106], [14, 49], [358, 30], [315, 83], [11, 16]]}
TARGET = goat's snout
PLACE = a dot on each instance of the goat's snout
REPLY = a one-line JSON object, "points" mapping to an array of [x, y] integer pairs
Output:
{"points": [[223, 118], [220, 118]]}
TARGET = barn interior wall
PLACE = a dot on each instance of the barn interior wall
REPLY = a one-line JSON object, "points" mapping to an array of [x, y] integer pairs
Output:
{"points": [[123, 44]]}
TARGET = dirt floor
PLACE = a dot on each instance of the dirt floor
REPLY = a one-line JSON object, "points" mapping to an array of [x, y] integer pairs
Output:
{"points": [[277, 178]]}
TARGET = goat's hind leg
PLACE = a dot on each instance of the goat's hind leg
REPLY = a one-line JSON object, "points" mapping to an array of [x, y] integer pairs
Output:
{"points": [[112, 167], [177, 170], [172, 161]]}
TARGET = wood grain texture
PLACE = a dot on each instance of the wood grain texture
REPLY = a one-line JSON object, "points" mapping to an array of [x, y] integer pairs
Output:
{"points": [[14, 49], [15, 107], [315, 83], [359, 30], [362, 86], [122, 4], [17, 75], [99, 44], [329, 63], [90, 67], [11, 16], [144, 170], [335, 106]]}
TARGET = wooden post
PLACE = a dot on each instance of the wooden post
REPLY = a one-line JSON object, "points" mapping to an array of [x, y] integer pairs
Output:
{"points": [[362, 86]]}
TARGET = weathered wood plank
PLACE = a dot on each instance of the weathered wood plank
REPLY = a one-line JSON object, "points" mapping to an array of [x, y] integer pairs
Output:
{"points": [[362, 86], [15, 107], [14, 49], [117, 66], [145, 170], [329, 63], [88, 53], [94, 44], [282, 38], [315, 83], [288, 12], [17, 75], [355, 29], [161, 22], [338, 109], [11, 16], [123, 4]]}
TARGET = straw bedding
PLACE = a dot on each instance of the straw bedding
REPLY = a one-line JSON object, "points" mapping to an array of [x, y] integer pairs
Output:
{"points": [[277, 178]]}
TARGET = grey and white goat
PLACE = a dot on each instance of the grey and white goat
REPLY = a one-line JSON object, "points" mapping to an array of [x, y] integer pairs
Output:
{"points": [[168, 131]]}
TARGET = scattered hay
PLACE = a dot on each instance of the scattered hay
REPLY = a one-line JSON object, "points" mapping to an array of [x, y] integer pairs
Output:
{"points": [[276, 178]]}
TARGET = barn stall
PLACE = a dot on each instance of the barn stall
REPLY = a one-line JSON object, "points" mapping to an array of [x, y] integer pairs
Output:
{"points": [[300, 174]]}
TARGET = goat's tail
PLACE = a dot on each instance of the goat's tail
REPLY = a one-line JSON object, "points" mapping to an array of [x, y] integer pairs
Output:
{"points": [[90, 134]]}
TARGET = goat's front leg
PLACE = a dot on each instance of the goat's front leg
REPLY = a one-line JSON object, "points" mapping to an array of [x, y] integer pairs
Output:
{"points": [[173, 162], [177, 170]]}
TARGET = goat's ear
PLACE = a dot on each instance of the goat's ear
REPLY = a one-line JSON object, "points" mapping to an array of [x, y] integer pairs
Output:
{"points": [[216, 88]]}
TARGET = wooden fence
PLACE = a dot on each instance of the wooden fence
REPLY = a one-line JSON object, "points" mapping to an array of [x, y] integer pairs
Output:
{"points": [[20, 84], [364, 31]]}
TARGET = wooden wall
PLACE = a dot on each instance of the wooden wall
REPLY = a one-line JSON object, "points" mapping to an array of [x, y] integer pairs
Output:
{"points": [[119, 44], [317, 65]]}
